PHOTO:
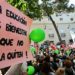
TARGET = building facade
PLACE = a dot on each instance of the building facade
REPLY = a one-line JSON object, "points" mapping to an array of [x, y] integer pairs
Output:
{"points": [[64, 22]]}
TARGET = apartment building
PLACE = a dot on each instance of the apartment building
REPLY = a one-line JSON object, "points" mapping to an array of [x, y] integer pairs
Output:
{"points": [[65, 23]]}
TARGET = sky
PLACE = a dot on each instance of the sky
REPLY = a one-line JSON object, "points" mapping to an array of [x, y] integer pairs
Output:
{"points": [[72, 2]]}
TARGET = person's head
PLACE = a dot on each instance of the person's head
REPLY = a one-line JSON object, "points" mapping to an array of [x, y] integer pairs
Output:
{"points": [[41, 59], [74, 57], [62, 50], [67, 63], [68, 58], [60, 71], [47, 58], [45, 68], [51, 59], [29, 63]]}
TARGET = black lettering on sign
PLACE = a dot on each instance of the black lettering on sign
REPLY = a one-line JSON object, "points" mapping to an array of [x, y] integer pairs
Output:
{"points": [[19, 54], [26, 54], [2, 57], [13, 55], [0, 9], [20, 43], [9, 55], [15, 17], [6, 42], [0, 22], [14, 29]]}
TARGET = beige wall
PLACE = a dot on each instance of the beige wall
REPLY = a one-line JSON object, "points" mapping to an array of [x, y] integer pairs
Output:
{"points": [[64, 26], [50, 30]]}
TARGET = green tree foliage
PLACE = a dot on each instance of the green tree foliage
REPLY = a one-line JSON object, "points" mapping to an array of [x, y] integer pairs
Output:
{"points": [[20, 4], [29, 7], [33, 9]]}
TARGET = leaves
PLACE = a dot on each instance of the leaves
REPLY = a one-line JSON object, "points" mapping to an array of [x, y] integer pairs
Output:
{"points": [[10, 1], [20, 4], [36, 11]]}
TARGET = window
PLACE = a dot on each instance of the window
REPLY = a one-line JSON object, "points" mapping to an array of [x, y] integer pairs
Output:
{"points": [[40, 19], [71, 19], [68, 26], [61, 19], [51, 35], [70, 41], [45, 27], [63, 35], [58, 14], [63, 42], [73, 29], [51, 41], [67, 15]]}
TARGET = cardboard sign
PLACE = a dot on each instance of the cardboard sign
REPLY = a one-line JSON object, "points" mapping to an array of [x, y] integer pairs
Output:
{"points": [[14, 32]]}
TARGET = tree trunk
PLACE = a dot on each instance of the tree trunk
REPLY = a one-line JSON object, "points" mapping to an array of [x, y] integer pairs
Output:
{"points": [[53, 22], [56, 29]]}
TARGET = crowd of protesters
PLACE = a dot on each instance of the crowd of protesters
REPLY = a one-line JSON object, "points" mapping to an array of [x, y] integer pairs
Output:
{"points": [[49, 63]]}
